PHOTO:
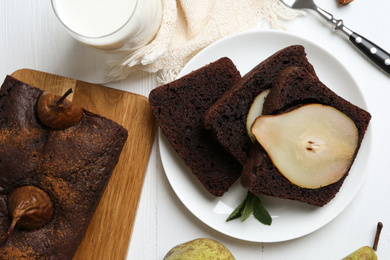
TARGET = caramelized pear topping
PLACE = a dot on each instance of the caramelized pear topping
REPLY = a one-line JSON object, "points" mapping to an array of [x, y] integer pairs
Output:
{"points": [[29, 207], [57, 112]]}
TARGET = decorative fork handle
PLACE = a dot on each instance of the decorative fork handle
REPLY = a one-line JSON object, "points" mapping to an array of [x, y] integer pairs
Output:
{"points": [[376, 54]]}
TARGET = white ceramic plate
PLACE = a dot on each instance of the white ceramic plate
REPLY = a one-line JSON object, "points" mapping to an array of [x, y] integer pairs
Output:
{"points": [[290, 219]]}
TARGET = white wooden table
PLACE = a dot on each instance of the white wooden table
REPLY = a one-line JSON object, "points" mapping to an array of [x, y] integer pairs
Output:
{"points": [[31, 37]]}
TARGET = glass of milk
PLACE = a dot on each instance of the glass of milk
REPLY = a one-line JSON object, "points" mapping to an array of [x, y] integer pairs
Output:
{"points": [[115, 26]]}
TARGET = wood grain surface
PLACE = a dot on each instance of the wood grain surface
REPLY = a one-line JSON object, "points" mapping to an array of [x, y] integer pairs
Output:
{"points": [[109, 232]]}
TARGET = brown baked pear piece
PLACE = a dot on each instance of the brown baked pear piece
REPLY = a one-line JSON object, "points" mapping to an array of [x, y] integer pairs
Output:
{"points": [[343, 2], [29, 207], [57, 112]]}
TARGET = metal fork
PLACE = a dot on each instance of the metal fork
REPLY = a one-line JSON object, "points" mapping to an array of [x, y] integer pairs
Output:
{"points": [[376, 54]]}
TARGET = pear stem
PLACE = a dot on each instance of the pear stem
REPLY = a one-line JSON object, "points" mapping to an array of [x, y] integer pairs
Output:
{"points": [[61, 99], [11, 228], [378, 233]]}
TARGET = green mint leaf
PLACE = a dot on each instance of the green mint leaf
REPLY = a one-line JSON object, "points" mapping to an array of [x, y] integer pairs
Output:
{"points": [[238, 211], [260, 213], [248, 209], [251, 204]]}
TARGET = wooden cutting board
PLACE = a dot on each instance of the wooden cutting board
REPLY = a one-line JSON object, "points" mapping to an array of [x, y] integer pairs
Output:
{"points": [[108, 234]]}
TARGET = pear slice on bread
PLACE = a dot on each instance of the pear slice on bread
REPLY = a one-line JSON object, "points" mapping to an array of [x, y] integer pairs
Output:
{"points": [[255, 111], [312, 146]]}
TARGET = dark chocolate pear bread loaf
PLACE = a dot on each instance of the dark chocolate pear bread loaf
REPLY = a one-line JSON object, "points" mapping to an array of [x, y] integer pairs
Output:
{"points": [[64, 171]]}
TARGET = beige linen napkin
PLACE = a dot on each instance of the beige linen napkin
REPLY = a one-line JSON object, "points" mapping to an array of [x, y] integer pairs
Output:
{"points": [[188, 26]]}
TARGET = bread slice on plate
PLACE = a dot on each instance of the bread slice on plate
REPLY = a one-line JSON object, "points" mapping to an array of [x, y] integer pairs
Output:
{"points": [[226, 118], [179, 107], [295, 87]]}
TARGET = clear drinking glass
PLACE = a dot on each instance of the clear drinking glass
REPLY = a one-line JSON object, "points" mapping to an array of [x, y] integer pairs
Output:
{"points": [[110, 25]]}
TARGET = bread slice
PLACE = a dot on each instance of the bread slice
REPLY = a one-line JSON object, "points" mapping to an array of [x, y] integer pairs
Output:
{"points": [[226, 119], [179, 106], [294, 87]]}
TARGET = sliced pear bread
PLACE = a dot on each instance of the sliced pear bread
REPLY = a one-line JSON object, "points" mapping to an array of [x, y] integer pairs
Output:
{"points": [[179, 107], [226, 118], [295, 87]]}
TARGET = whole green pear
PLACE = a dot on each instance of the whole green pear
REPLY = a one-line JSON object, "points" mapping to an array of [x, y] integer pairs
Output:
{"points": [[366, 252], [201, 248], [363, 253]]}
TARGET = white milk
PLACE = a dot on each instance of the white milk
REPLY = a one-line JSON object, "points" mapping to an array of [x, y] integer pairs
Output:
{"points": [[121, 25]]}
